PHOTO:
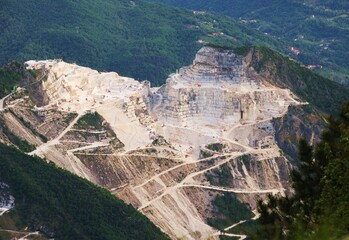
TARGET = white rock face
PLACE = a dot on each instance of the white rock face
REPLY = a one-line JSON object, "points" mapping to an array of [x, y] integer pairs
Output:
{"points": [[75, 87], [215, 90], [212, 101], [214, 66], [78, 89], [214, 94]]}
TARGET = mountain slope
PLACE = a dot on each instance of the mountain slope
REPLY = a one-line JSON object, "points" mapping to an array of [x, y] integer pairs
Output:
{"points": [[318, 29], [64, 206], [135, 38], [193, 155]]}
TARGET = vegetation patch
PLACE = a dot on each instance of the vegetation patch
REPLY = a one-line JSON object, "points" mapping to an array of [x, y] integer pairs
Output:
{"points": [[70, 117], [220, 176], [10, 76], [34, 73], [228, 238], [205, 154], [217, 147], [116, 144], [91, 121], [249, 228], [229, 211]]}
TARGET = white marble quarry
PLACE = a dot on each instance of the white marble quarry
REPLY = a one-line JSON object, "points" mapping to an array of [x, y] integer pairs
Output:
{"points": [[212, 101], [215, 89]]}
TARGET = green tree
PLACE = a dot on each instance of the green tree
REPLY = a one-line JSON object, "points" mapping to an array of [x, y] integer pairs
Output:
{"points": [[319, 207]]}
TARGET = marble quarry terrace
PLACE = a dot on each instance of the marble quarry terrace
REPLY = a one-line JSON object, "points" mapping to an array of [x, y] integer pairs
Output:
{"points": [[155, 148]]}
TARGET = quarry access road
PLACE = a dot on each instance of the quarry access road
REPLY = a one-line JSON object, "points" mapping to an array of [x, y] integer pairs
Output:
{"points": [[241, 237], [189, 179], [233, 190], [2, 101], [92, 145], [3, 210], [181, 165], [27, 234], [88, 131], [145, 148], [181, 184], [43, 148], [234, 225]]}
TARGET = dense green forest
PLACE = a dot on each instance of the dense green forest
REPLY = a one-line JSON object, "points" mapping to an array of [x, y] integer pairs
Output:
{"points": [[64, 206], [229, 210], [319, 29], [319, 208], [10, 75], [134, 38]]}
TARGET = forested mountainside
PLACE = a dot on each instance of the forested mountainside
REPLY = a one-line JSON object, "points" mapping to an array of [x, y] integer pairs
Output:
{"points": [[134, 38], [315, 32], [53, 203]]}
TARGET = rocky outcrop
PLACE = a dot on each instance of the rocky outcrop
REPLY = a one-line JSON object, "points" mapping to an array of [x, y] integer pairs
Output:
{"points": [[73, 87], [216, 90]]}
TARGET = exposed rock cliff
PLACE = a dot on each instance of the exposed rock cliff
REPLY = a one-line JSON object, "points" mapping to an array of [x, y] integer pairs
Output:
{"points": [[215, 88]]}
